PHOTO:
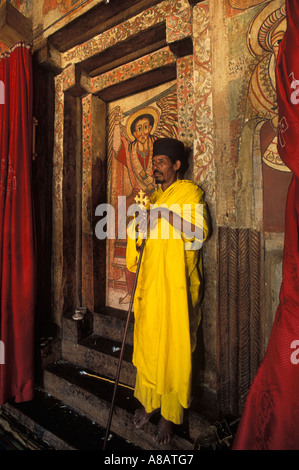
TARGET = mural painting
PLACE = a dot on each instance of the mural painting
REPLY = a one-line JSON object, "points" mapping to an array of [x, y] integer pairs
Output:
{"points": [[24, 6], [133, 125], [258, 101], [3, 48], [62, 5]]}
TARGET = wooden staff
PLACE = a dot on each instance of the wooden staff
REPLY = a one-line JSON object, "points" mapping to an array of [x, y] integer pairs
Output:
{"points": [[139, 199]]}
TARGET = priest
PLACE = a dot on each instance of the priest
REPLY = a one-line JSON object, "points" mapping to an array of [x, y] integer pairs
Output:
{"points": [[169, 289]]}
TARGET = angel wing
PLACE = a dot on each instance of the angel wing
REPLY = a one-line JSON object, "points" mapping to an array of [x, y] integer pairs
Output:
{"points": [[168, 123], [114, 117]]}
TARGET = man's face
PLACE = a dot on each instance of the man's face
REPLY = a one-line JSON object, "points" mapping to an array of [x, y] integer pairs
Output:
{"points": [[142, 130], [164, 171]]}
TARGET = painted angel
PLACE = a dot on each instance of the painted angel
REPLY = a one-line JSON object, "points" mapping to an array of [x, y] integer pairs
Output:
{"points": [[130, 150]]}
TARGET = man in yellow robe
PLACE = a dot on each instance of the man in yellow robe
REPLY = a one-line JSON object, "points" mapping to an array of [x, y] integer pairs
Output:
{"points": [[167, 298]]}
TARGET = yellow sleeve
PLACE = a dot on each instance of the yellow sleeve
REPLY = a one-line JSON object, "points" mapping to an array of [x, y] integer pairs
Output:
{"points": [[131, 252], [196, 213]]}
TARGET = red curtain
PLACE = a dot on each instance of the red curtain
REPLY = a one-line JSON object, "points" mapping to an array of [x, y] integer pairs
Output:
{"points": [[270, 420], [17, 241]]}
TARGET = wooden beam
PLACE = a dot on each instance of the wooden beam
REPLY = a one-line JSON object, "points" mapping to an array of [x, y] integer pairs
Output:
{"points": [[49, 58], [140, 83], [95, 21], [194, 2], [182, 47], [136, 46], [14, 26], [77, 88], [71, 191]]}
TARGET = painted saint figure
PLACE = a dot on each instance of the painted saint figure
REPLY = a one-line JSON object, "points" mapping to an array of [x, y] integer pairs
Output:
{"points": [[130, 151], [137, 155]]}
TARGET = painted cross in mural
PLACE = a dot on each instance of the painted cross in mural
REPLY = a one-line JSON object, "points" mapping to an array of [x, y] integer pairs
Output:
{"points": [[134, 124]]}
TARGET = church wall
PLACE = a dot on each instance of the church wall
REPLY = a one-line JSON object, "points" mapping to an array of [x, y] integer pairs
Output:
{"points": [[226, 113], [249, 176], [261, 178]]}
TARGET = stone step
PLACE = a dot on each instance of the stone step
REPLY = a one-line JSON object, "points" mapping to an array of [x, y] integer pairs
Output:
{"points": [[101, 355], [46, 423], [107, 322], [95, 343], [110, 323], [82, 365], [92, 397]]}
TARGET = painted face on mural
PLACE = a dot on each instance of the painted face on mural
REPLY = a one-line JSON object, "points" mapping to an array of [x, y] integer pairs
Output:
{"points": [[277, 37], [142, 130]]}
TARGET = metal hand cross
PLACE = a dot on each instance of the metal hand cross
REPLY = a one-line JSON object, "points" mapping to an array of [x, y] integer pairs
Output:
{"points": [[141, 198]]}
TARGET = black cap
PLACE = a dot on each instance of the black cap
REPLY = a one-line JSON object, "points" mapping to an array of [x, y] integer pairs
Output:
{"points": [[172, 148]]}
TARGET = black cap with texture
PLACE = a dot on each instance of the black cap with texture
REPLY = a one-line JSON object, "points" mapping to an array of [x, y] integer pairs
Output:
{"points": [[172, 148]]}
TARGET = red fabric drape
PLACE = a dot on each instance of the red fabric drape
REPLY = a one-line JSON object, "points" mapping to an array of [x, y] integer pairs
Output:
{"points": [[17, 242], [270, 420]]}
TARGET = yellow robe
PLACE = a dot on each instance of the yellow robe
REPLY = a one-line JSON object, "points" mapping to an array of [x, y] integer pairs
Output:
{"points": [[167, 297]]}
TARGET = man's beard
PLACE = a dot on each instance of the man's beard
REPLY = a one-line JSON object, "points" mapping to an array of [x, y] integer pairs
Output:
{"points": [[158, 178]]}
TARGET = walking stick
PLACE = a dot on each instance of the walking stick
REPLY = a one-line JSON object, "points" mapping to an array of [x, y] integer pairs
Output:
{"points": [[124, 338]]}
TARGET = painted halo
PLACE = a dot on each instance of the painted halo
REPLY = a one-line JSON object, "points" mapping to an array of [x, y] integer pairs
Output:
{"points": [[147, 110]]}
